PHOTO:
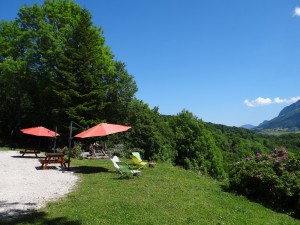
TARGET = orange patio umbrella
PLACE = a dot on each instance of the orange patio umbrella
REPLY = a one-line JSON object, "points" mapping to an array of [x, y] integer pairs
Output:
{"points": [[39, 131], [102, 129]]}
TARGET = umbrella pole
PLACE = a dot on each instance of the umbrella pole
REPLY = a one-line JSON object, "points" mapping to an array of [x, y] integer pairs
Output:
{"points": [[70, 145], [54, 145], [70, 141]]}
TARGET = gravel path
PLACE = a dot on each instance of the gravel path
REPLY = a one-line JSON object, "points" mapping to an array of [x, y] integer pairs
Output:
{"points": [[25, 187]]}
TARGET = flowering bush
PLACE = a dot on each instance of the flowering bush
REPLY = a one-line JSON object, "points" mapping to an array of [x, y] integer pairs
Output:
{"points": [[273, 180]]}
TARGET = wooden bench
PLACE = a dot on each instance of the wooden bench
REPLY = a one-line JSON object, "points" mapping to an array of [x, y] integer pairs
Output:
{"points": [[30, 151]]}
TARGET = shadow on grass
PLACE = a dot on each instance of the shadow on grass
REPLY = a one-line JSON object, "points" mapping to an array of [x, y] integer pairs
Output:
{"points": [[40, 218], [89, 169]]}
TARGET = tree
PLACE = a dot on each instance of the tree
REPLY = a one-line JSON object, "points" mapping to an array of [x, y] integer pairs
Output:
{"points": [[81, 73], [195, 146], [120, 90], [15, 102], [149, 132], [58, 60]]}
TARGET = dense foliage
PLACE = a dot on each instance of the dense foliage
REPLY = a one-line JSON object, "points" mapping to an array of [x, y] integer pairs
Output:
{"points": [[194, 145], [149, 133], [272, 179], [54, 68]]}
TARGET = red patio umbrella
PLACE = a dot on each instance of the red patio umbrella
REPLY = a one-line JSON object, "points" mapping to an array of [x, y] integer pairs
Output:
{"points": [[39, 131], [102, 129]]}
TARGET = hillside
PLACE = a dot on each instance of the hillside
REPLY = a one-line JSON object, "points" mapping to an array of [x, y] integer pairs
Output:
{"points": [[162, 195], [288, 120]]}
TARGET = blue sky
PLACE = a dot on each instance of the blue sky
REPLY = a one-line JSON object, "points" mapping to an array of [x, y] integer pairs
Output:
{"points": [[228, 62]]}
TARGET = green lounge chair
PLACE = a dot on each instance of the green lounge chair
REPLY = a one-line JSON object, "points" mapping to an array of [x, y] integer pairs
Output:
{"points": [[126, 171], [136, 158]]}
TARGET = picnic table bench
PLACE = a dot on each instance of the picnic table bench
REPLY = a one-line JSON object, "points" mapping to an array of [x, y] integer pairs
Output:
{"points": [[30, 151], [52, 158]]}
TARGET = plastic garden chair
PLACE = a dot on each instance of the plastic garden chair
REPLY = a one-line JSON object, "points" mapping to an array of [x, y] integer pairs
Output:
{"points": [[136, 158], [126, 171]]}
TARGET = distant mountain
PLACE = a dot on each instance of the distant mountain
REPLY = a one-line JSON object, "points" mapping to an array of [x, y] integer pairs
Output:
{"points": [[248, 126], [264, 122], [291, 108], [288, 120]]}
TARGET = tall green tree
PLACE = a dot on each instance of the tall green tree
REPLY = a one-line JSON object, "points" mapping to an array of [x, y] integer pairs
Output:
{"points": [[120, 90], [15, 100], [68, 71], [81, 75], [149, 132], [195, 145]]}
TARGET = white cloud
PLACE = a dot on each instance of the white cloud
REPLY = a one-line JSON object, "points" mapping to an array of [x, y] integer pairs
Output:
{"points": [[297, 11], [293, 99], [267, 101]]}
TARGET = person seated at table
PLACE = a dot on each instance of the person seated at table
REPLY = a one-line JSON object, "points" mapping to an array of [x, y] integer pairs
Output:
{"points": [[102, 149]]}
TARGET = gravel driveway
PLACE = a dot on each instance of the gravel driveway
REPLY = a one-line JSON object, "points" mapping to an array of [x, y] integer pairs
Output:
{"points": [[25, 187]]}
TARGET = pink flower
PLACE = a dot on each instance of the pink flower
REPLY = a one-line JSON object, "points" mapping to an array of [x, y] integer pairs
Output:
{"points": [[283, 150], [259, 156], [272, 155], [248, 158]]}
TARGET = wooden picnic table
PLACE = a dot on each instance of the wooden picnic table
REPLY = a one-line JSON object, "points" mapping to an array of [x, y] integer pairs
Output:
{"points": [[97, 149], [53, 158], [30, 151]]}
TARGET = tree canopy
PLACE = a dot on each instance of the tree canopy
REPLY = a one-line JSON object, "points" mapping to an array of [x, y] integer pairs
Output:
{"points": [[55, 67]]}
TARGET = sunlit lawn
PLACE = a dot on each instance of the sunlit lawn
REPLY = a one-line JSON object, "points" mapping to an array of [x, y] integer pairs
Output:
{"points": [[162, 195]]}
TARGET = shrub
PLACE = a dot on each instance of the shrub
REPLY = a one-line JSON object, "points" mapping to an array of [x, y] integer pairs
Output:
{"points": [[75, 151], [273, 180], [63, 150], [195, 146]]}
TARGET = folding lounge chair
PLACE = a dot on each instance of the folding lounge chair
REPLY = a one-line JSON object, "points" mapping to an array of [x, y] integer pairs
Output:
{"points": [[126, 171], [114, 160], [136, 158]]}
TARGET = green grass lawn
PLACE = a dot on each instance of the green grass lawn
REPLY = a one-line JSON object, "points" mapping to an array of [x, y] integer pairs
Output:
{"points": [[162, 195]]}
